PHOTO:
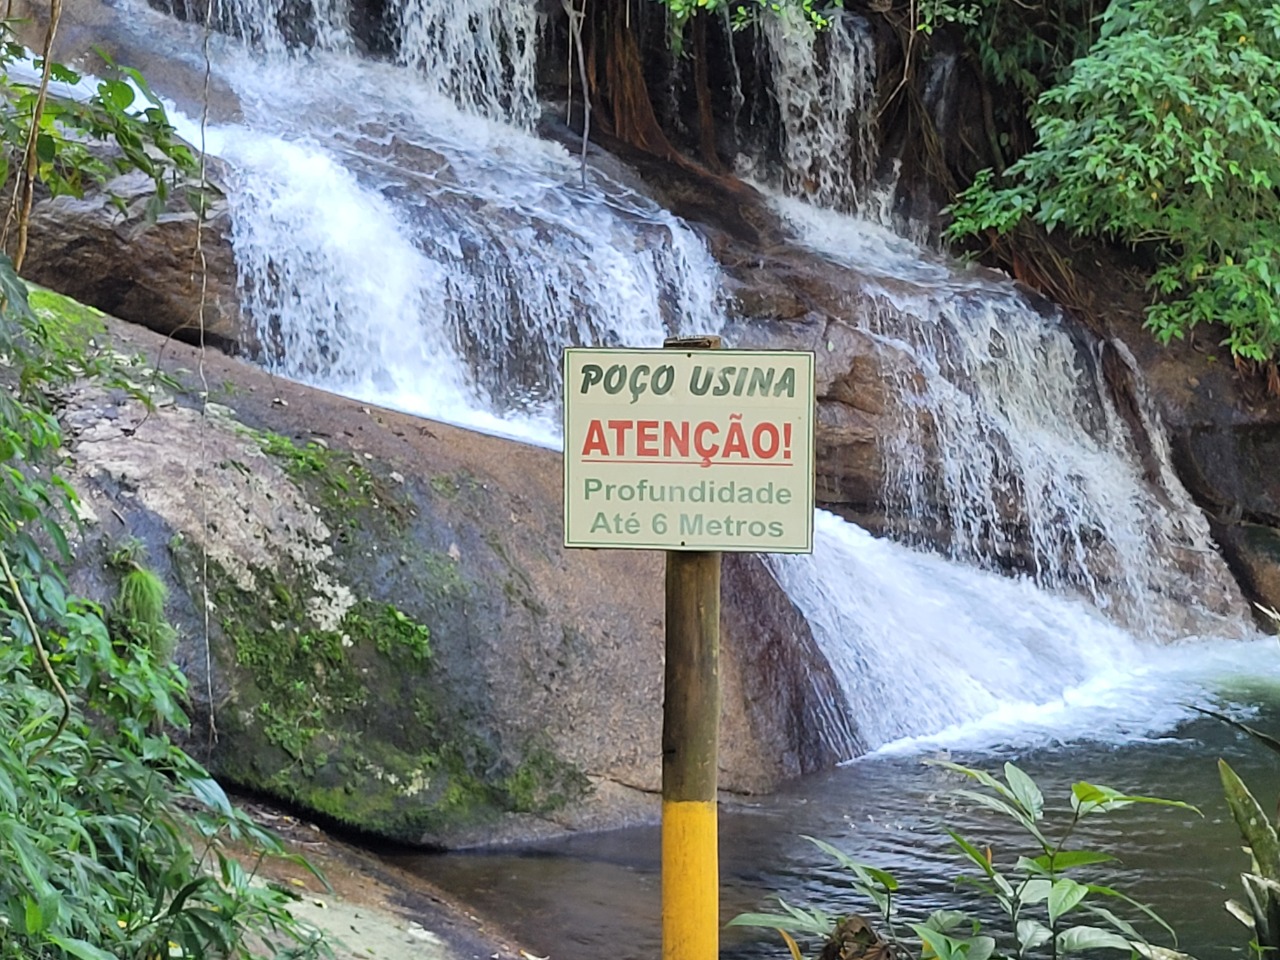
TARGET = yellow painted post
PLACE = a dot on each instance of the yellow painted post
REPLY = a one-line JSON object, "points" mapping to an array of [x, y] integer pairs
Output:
{"points": [[690, 741]]}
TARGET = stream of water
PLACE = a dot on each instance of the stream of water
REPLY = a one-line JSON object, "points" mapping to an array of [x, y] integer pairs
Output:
{"points": [[592, 896], [402, 238]]}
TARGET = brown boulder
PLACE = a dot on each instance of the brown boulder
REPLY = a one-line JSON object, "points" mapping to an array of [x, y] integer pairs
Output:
{"points": [[102, 250]]}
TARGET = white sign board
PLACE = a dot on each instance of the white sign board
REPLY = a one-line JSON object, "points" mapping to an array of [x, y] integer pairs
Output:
{"points": [[689, 450]]}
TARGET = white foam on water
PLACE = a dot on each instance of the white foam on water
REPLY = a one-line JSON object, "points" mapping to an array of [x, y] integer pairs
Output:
{"points": [[452, 258], [930, 653]]}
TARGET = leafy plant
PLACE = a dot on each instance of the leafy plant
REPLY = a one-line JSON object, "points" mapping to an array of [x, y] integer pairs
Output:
{"points": [[138, 611], [1261, 910], [1023, 46], [120, 109], [1167, 133], [113, 841], [1049, 907]]}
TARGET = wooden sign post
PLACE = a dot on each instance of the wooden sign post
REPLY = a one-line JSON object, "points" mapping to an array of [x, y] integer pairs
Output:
{"points": [[693, 450], [690, 747]]}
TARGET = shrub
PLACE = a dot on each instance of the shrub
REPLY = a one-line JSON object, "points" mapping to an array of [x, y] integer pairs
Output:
{"points": [[1167, 133], [113, 841]]}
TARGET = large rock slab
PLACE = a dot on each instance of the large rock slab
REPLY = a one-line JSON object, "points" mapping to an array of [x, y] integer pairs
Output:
{"points": [[104, 250], [1224, 438], [394, 637]]}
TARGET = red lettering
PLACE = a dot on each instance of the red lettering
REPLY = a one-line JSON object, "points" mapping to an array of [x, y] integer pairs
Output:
{"points": [[595, 442], [675, 436], [704, 450], [765, 433], [647, 438], [620, 429], [736, 441]]}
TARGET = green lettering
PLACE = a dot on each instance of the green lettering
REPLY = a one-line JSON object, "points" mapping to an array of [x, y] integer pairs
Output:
{"points": [[786, 383]]}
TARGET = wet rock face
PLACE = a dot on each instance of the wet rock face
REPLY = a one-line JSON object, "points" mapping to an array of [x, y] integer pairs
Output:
{"points": [[396, 639], [1224, 438], [145, 272]]}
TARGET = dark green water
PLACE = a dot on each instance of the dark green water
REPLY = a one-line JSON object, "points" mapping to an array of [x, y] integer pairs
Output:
{"points": [[596, 896]]}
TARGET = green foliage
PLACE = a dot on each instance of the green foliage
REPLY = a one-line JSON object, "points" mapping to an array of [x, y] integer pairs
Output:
{"points": [[1261, 910], [114, 841], [1049, 904], [744, 12], [1166, 133], [111, 113], [138, 612], [1024, 46]]}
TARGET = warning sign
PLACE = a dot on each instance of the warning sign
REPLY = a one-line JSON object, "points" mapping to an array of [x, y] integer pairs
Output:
{"points": [[689, 450]]}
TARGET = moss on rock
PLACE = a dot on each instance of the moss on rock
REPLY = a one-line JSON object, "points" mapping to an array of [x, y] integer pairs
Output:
{"points": [[352, 719]]}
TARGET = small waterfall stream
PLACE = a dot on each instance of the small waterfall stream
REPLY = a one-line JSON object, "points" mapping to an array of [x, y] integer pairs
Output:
{"points": [[452, 257], [402, 238]]}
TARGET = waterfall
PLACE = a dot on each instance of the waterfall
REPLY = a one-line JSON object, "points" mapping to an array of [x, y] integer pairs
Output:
{"points": [[481, 54], [1010, 449], [919, 644], [824, 84], [452, 259], [402, 238]]}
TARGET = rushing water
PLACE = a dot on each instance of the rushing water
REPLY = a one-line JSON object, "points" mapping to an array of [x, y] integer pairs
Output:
{"points": [[451, 258]]}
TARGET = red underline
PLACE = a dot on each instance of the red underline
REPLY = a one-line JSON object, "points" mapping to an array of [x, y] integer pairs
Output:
{"points": [[698, 463]]}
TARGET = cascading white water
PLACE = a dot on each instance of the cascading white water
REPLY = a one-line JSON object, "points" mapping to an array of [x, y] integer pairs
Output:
{"points": [[451, 259], [394, 249], [919, 643], [824, 84], [479, 53], [1010, 449]]}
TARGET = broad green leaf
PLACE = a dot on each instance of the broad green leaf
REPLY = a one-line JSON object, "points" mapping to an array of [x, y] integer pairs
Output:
{"points": [[46, 148], [1035, 891], [1017, 816], [1237, 910], [1254, 825], [1032, 934], [1064, 897], [116, 94], [1068, 859], [885, 879], [943, 946], [1079, 939], [1124, 926], [1091, 798], [208, 792], [1025, 791], [981, 776], [81, 949], [1032, 866], [34, 919], [972, 852], [944, 921], [779, 921], [1137, 905]]}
